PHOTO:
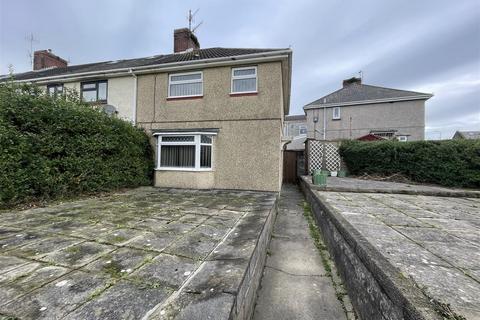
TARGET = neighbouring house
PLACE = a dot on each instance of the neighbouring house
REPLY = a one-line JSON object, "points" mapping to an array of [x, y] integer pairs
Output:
{"points": [[466, 135], [358, 110], [295, 128], [215, 116]]}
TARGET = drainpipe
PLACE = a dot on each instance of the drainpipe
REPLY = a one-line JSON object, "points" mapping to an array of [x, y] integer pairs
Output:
{"points": [[134, 97], [324, 123]]}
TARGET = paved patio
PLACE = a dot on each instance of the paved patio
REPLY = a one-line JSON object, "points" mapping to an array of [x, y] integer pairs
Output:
{"points": [[433, 240], [146, 253]]}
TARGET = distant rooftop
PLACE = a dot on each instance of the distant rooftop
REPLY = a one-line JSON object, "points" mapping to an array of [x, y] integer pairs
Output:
{"points": [[354, 92], [467, 134], [296, 117]]}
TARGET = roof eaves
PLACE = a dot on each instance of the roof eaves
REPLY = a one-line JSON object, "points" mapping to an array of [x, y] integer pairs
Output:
{"points": [[361, 102]]}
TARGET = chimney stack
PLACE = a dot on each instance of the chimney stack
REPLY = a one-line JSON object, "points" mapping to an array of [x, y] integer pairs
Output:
{"points": [[184, 40], [354, 80], [44, 59]]}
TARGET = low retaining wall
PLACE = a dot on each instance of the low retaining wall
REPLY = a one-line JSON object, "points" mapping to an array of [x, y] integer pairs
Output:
{"points": [[247, 293], [377, 289]]}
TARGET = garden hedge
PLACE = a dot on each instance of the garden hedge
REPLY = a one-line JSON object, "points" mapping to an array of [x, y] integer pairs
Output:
{"points": [[55, 147], [454, 163]]}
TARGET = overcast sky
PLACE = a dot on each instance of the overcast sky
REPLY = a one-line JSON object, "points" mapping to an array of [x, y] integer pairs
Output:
{"points": [[430, 45]]}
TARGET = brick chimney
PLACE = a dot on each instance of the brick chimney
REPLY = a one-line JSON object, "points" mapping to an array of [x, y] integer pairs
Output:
{"points": [[43, 59], [183, 40], [348, 82]]}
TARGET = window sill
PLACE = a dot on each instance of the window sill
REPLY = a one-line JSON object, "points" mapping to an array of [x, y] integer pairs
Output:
{"points": [[184, 98], [336, 119], [241, 94], [185, 169]]}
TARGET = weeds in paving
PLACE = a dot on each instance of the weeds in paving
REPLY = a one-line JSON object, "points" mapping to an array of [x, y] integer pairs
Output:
{"points": [[446, 311], [340, 291], [317, 239]]}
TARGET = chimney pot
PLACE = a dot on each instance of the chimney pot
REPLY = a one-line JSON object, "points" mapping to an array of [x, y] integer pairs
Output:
{"points": [[184, 40], [354, 80], [43, 59]]}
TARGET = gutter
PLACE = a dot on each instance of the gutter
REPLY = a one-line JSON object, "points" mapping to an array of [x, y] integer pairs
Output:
{"points": [[352, 103], [134, 104], [172, 66]]}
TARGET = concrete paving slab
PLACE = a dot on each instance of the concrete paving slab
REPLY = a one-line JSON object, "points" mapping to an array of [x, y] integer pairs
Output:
{"points": [[135, 252], [307, 298], [432, 240], [56, 299]]}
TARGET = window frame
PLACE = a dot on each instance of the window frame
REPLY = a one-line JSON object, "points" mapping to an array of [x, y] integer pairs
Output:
{"points": [[196, 142], [300, 126], [55, 91], [169, 96], [402, 138], [96, 82], [339, 113], [234, 77]]}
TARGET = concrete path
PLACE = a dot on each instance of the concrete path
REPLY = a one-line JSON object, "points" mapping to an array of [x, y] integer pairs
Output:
{"points": [[295, 284]]}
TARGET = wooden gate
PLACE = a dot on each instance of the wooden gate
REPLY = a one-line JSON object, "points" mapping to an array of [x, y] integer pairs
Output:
{"points": [[289, 166]]}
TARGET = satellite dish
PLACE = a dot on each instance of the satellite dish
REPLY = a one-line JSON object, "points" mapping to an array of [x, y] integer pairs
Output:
{"points": [[109, 109]]}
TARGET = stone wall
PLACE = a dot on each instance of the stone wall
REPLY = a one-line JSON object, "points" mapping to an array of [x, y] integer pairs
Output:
{"points": [[378, 290]]}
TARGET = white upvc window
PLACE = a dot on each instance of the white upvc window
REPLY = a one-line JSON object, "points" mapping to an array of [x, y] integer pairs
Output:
{"points": [[302, 130], [185, 151], [402, 138], [336, 113], [244, 80], [188, 84]]}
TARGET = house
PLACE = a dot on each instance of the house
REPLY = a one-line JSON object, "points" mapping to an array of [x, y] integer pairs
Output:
{"points": [[357, 110], [295, 127], [466, 135], [215, 116]]}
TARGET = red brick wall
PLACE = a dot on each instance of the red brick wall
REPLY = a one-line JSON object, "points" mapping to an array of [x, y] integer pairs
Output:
{"points": [[46, 59], [184, 39]]}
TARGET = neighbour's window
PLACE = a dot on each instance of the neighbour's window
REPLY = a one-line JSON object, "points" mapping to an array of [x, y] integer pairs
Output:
{"points": [[402, 138], [244, 80], [55, 89], [302, 129], [189, 152], [336, 113], [185, 84], [95, 91]]}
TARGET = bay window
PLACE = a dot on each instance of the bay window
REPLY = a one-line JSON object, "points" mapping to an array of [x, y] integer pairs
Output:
{"points": [[244, 80], [185, 85], [184, 152]]}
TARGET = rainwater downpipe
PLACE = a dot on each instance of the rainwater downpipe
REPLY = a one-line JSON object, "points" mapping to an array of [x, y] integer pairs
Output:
{"points": [[134, 104], [324, 123]]}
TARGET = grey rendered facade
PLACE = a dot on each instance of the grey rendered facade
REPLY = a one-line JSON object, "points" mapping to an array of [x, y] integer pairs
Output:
{"points": [[357, 110]]}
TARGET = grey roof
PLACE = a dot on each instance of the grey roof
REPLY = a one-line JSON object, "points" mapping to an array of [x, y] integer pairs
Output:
{"points": [[362, 92], [296, 117], [468, 134], [200, 54]]}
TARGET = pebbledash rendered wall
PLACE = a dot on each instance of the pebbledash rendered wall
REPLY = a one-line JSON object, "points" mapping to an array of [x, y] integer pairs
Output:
{"points": [[247, 151], [407, 117]]}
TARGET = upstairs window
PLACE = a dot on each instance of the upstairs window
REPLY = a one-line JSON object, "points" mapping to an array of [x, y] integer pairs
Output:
{"points": [[244, 80], [336, 113], [185, 85], [55, 89], [94, 91], [185, 152]]}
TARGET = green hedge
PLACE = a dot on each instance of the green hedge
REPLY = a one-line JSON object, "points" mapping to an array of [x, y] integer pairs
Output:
{"points": [[55, 147], [449, 163]]}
